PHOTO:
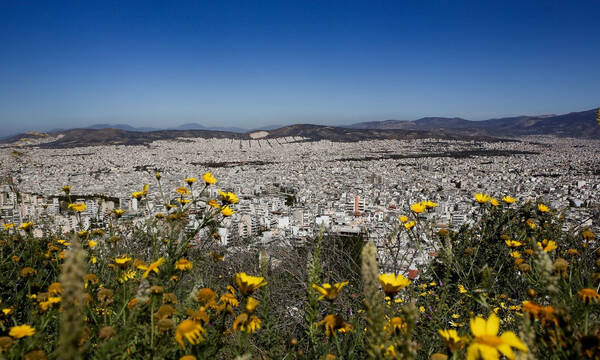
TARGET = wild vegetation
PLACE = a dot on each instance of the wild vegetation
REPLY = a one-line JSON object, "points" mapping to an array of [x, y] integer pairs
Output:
{"points": [[513, 284]]}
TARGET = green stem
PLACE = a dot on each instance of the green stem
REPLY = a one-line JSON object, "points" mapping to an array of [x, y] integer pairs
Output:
{"points": [[152, 324], [587, 319]]}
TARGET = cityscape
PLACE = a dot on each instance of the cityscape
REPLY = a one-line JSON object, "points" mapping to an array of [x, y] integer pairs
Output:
{"points": [[289, 188]]}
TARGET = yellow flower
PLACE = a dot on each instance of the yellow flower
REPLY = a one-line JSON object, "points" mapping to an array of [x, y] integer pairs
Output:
{"points": [[8, 226], [409, 225], [229, 299], [122, 261], [329, 292], [187, 357], [392, 283], [89, 279], [137, 194], [547, 245], [588, 295], [515, 254], [438, 356], [396, 325], [26, 226], [62, 242], [28, 271], [494, 202], [333, 323], [513, 243], [198, 315], [52, 300], [228, 197], [55, 288], [587, 235], [21, 331], [226, 211], [251, 305], [573, 252], [183, 201], [152, 267], [418, 208], [191, 331], [127, 275], [206, 296], [429, 204], [157, 175], [98, 232], [209, 179], [403, 219], [486, 343], [118, 212], [461, 289], [183, 264], [543, 208], [531, 224], [245, 323], [248, 284], [182, 191], [509, 199], [422, 309], [7, 311], [190, 181], [78, 207], [66, 189], [452, 339], [482, 198], [92, 244], [213, 203]]}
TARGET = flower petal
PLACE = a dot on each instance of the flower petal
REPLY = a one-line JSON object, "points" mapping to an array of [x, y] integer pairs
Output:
{"points": [[507, 351], [492, 325], [478, 326], [511, 339], [488, 352]]}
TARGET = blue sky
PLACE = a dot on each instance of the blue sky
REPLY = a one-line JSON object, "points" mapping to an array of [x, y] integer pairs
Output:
{"points": [[254, 63]]}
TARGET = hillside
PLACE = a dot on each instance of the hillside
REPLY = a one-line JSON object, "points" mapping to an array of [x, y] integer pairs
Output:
{"points": [[581, 124]]}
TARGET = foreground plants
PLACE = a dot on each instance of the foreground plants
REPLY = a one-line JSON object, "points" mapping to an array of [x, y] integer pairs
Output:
{"points": [[513, 284]]}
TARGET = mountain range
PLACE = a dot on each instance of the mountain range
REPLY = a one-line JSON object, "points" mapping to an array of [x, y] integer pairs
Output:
{"points": [[581, 124]]}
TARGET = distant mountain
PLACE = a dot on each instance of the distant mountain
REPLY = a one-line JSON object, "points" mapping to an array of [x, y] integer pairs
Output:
{"points": [[120, 127], [107, 136], [188, 126], [341, 134], [196, 126], [268, 127], [576, 124], [303, 132]]}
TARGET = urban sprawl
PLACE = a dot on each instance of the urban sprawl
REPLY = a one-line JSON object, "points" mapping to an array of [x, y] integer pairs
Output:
{"points": [[290, 188]]}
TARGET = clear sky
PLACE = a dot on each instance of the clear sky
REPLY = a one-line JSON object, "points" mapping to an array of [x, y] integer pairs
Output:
{"points": [[253, 63]]}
